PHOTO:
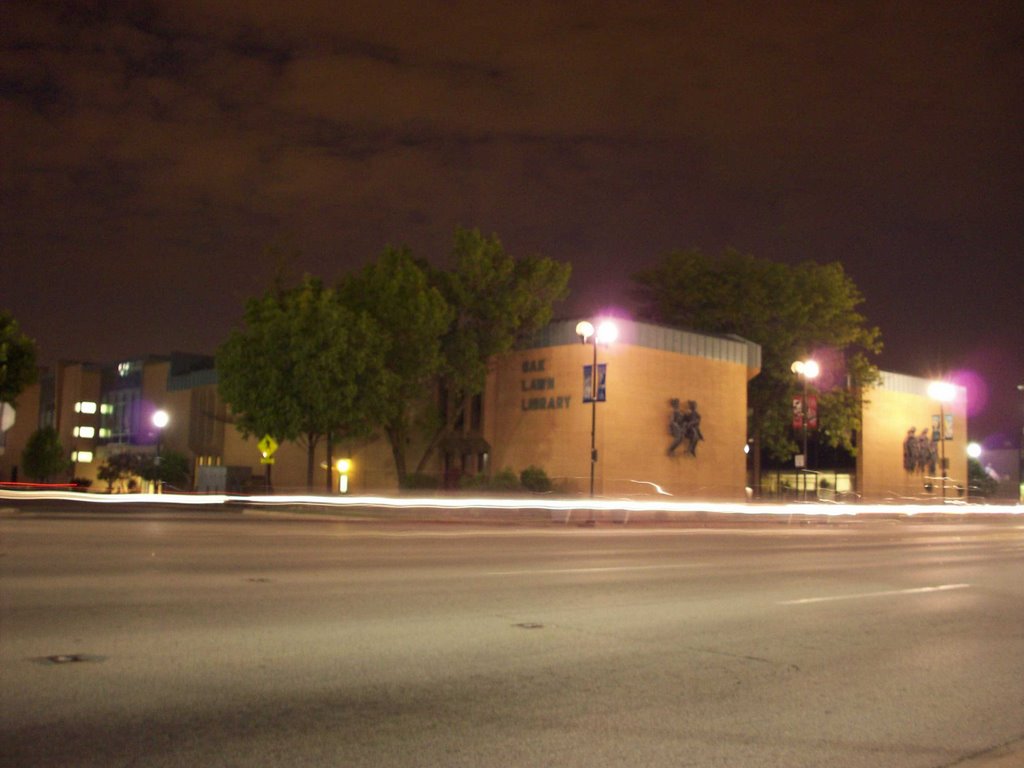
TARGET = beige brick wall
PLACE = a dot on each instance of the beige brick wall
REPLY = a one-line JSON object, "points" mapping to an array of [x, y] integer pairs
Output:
{"points": [[892, 409], [632, 434]]}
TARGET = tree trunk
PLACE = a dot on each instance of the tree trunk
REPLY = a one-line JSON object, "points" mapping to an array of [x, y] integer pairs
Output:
{"points": [[395, 438], [311, 440], [330, 462], [454, 412]]}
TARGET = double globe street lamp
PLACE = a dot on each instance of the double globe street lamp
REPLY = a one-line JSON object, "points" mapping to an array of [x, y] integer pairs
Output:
{"points": [[806, 370], [605, 333], [942, 392], [160, 420]]}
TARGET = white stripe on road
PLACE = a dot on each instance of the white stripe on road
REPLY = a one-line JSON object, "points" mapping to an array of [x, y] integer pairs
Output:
{"points": [[610, 569], [917, 591]]}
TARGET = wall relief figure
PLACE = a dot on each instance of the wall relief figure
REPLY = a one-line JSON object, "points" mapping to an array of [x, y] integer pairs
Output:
{"points": [[684, 425], [919, 453], [910, 450]]}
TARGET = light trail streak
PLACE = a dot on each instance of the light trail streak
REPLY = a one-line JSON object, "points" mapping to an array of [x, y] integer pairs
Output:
{"points": [[567, 505], [864, 595], [606, 569]]}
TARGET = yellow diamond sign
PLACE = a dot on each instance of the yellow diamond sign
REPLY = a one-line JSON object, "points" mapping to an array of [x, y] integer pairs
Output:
{"points": [[267, 446]]}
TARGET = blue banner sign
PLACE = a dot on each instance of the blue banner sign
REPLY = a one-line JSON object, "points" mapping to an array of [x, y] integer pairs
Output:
{"points": [[588, 381]]}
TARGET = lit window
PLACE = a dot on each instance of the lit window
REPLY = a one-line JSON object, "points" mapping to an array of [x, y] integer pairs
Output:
{"points": [[107, 409], [87, 432], [82, 457], [85, 407], [104, 432]]}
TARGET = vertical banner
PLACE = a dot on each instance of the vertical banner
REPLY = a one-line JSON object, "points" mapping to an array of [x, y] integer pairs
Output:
{"points": [[942, 434], [588, 376], [812, 412]]}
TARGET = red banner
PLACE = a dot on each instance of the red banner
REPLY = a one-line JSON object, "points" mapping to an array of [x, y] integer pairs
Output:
{"points": [[798, 412]]}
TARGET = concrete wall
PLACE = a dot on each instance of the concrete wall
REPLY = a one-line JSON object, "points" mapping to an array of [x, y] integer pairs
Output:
{"points": [[890, 410]]}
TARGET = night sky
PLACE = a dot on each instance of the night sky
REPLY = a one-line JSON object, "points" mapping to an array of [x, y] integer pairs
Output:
{"points": [[153, 152]]}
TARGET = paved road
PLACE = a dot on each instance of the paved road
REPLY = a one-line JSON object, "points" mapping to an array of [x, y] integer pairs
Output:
{"points": [[227, 640]]}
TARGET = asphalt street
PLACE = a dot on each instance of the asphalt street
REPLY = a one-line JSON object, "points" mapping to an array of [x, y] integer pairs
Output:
{"points": [[223, 639]]}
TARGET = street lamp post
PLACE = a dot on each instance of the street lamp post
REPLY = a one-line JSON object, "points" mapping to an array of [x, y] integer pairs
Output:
{"points": [[942, 392], [806, 370], [605, 333], [160, 420], [1020, 452]]}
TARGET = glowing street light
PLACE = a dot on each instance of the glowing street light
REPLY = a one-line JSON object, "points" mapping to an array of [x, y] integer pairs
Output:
{"points": [[806, 370], [344, 466], [605, 333], [974, 450], [942, 392], [160, 420]]}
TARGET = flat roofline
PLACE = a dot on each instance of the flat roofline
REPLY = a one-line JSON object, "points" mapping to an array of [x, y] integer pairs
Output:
{"points": [[726, 348]]}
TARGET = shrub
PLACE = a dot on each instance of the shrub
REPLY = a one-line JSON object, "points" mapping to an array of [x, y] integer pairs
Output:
{"points": [[480, 482], [418, 481], [43, 456], [535, 479], [505, 480]]}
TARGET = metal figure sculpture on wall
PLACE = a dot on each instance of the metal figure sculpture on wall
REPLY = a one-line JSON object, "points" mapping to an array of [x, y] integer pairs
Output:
{"points": [[927, 452], [919, 454], [684, 425]]}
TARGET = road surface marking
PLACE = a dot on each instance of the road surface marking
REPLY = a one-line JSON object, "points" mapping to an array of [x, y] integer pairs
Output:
{"points": [[608, 569], [917, 591]]}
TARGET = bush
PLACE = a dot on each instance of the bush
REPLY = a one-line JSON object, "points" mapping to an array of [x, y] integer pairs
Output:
{"points": [[535, 479], [480, 482], [173, 468], [43, 457], [505, 480], [418, 481]]}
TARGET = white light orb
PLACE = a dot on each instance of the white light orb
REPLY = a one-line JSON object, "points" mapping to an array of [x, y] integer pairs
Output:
{"points": [[607, 332], [942, 391]]}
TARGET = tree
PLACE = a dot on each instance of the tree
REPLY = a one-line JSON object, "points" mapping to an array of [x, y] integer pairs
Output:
{"points": [[44, 455], [395, 291], [496, 301], [444, 326], [120, 470], [303, 366], [17, 359], [979, 483], [173, 468], [793, 312]]}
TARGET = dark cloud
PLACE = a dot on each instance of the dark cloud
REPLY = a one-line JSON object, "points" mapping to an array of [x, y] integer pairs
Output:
{"points": [[153, 151]]}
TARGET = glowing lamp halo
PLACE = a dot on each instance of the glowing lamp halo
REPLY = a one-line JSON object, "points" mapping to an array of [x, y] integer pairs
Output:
{"points": [[942, 391]]}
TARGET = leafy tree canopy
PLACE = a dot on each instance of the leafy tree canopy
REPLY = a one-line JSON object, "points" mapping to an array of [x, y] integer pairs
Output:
{"points": [[173, 468], [303, 366], [793, 312], [44, 456], [370, 353], [414, 315], [496, 301], [17, 359], [119, 470]]}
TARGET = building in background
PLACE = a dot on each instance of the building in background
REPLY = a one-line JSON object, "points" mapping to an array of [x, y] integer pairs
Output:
{"points": [[670, 421], [906, 433]]}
